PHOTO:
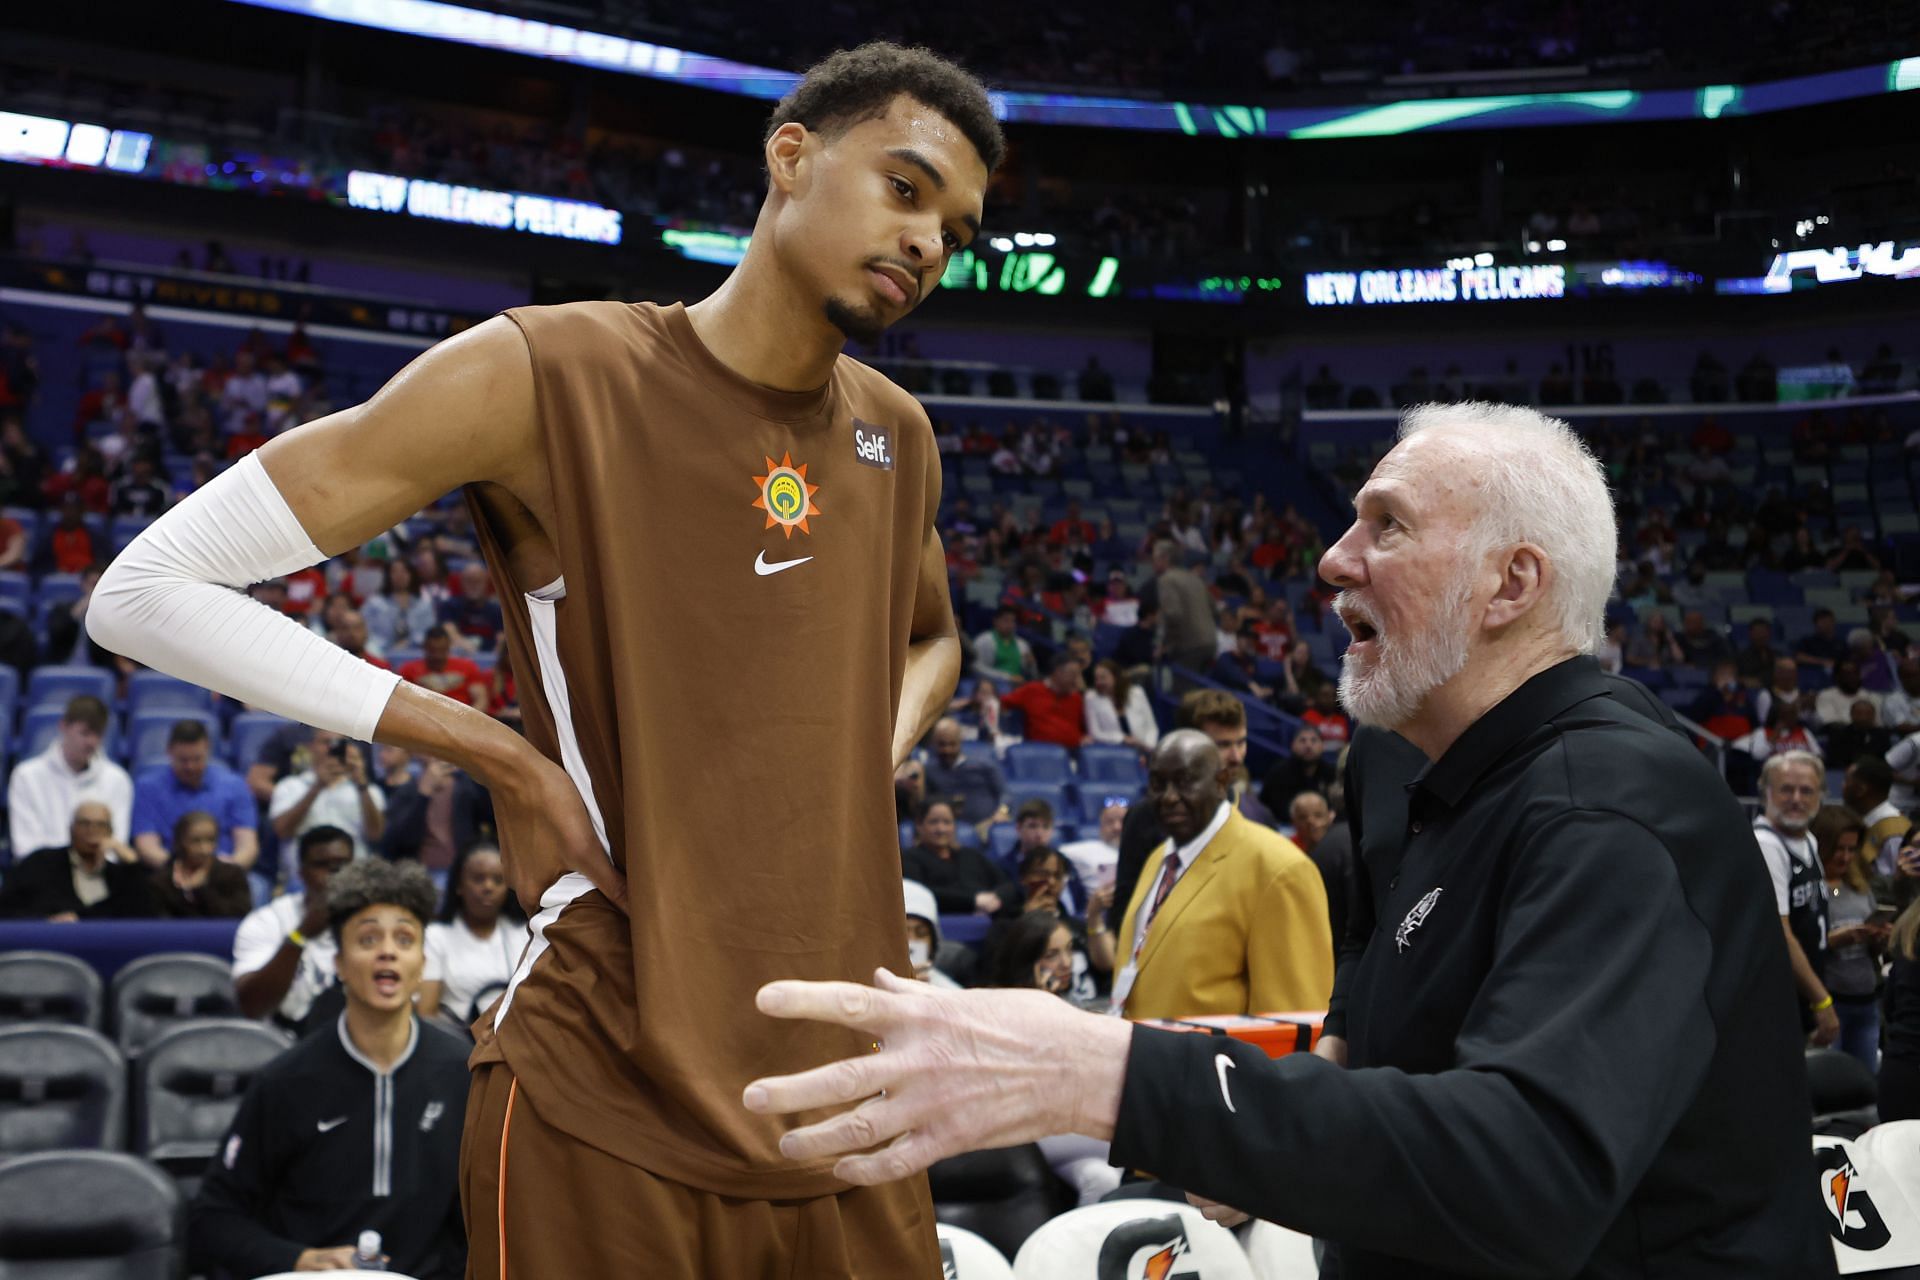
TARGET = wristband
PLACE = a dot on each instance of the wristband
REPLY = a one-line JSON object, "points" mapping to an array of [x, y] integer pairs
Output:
{"points": [[1826, 1003], [299, 939]]}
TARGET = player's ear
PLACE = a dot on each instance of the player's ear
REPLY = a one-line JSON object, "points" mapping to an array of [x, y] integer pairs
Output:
{"points": [[786, 154]]}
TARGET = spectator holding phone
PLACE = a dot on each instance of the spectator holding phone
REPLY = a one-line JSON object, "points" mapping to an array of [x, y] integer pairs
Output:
{"points": [[1850, 971], [334, 790]]}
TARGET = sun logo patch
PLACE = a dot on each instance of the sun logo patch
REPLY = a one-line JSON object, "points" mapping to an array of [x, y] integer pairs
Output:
{"points": [[786, 496]]}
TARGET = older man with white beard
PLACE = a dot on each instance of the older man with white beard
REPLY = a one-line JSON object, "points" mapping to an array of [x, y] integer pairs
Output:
{"points": [[1569, 1047]]}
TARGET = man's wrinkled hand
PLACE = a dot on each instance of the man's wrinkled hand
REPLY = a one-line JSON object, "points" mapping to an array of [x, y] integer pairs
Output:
{"points": [[955, 1071]]}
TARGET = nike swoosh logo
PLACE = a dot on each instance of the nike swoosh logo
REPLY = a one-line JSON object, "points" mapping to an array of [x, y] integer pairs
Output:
{"points": [[765, 569], [1223, 1064], [328, 1126]]}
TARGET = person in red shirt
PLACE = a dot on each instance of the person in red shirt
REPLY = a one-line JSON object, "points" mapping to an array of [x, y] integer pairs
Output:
{"points": [[1072, 528], [306, 590], [1054, 707], [441, 672], [1276, 630], [1326, 716], [72, 541], [87, 477]]}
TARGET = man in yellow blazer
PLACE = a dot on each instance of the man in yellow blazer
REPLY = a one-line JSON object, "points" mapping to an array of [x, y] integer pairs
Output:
{"points": [[1228, 916]]}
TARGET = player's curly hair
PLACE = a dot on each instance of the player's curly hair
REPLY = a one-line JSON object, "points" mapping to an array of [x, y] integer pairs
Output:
{"points": [[853, 85], [375, 882]]}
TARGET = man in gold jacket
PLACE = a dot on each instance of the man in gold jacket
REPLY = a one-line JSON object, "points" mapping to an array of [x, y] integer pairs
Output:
{"points": [[1228, 916]]}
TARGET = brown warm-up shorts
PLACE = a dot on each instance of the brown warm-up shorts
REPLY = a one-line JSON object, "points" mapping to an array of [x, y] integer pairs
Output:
{"points": [[541, 1205]]}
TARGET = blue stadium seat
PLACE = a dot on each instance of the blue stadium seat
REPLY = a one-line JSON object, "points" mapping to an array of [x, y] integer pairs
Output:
{"points": [[966, 835], [53, 686], [906, 835], [58, 587], [250, 730], [156, 691], [1053, 793], [1039, 762], [1001, 838], [15, 592], [147, 731], [1692, 679], [1111, 762], [979, 749], [9, 692]]}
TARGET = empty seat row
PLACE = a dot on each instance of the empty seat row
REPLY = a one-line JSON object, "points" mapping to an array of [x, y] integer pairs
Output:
{"points": [[64, 1087], [147, 997]]}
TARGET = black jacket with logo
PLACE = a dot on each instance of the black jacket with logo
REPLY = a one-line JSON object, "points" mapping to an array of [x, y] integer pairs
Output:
{"points": [[325, 1147], [1573, 1047]]}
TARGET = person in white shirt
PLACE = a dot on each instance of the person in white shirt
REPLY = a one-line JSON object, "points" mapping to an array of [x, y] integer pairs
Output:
{"points": [[1904, 760], [43, 791], [1098, 860], [1867, 790], [283, 953], [1900, 710], [1119, 711], [476, 942], [334, 791], [1834, 706]]}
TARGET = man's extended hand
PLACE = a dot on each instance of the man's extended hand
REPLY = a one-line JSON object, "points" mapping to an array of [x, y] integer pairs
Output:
{"points": [[1224, 1214], [956, 1071], [545, 832]]}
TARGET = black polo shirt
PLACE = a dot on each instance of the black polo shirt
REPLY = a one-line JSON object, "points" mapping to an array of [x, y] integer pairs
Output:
{"points": [[1573, 1046]]}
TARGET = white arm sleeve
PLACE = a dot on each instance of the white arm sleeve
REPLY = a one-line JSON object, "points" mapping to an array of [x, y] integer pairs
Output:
{"points": [[175, 600]]}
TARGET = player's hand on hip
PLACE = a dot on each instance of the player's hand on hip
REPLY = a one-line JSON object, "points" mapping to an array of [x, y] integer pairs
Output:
{"points": [[955, 1071], [545, 833]]}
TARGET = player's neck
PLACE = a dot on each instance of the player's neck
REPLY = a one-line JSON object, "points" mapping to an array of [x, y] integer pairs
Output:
{"points": [[758, 325]]}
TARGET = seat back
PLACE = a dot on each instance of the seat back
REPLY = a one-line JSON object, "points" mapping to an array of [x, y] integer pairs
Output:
{"points": [[1844, 1095], [46, 986], [89, 1215], [157, 992], [1039, 762], [1002, 1195], [250, 730], [188, 1085], [54, 686], [1129, 1238], [61, 1087]]}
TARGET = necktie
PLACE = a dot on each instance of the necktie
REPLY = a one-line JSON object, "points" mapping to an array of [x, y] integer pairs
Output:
{"points": [[1167, 878]]}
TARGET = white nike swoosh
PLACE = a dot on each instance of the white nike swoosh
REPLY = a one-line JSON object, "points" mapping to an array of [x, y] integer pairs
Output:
{"points": [[1223, 1064], [328, 1126], [763, 568]]}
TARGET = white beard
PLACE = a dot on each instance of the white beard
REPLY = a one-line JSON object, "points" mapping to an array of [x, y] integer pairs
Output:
{"points": [[1406, 669]]}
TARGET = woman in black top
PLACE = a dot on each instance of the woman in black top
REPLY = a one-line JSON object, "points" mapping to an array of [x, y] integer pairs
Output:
{"points": [[195, 883]]}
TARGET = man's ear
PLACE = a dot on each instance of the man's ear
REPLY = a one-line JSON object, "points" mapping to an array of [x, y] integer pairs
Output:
{"points": [[786, 154], [1525, 579]]}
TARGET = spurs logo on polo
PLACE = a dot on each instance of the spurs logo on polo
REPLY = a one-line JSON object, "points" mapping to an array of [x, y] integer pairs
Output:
{"points": [[1403, 936]]}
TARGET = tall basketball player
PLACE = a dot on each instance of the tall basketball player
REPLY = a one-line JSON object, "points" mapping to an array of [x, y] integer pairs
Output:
{"points": [[712, 535]]}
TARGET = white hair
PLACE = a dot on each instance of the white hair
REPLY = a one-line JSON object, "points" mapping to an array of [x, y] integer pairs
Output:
{"points": [[1776, 764], [1538, 483]]}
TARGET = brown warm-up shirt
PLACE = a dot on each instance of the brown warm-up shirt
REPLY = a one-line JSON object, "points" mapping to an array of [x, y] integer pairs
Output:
{"points": [[718, 669]]}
